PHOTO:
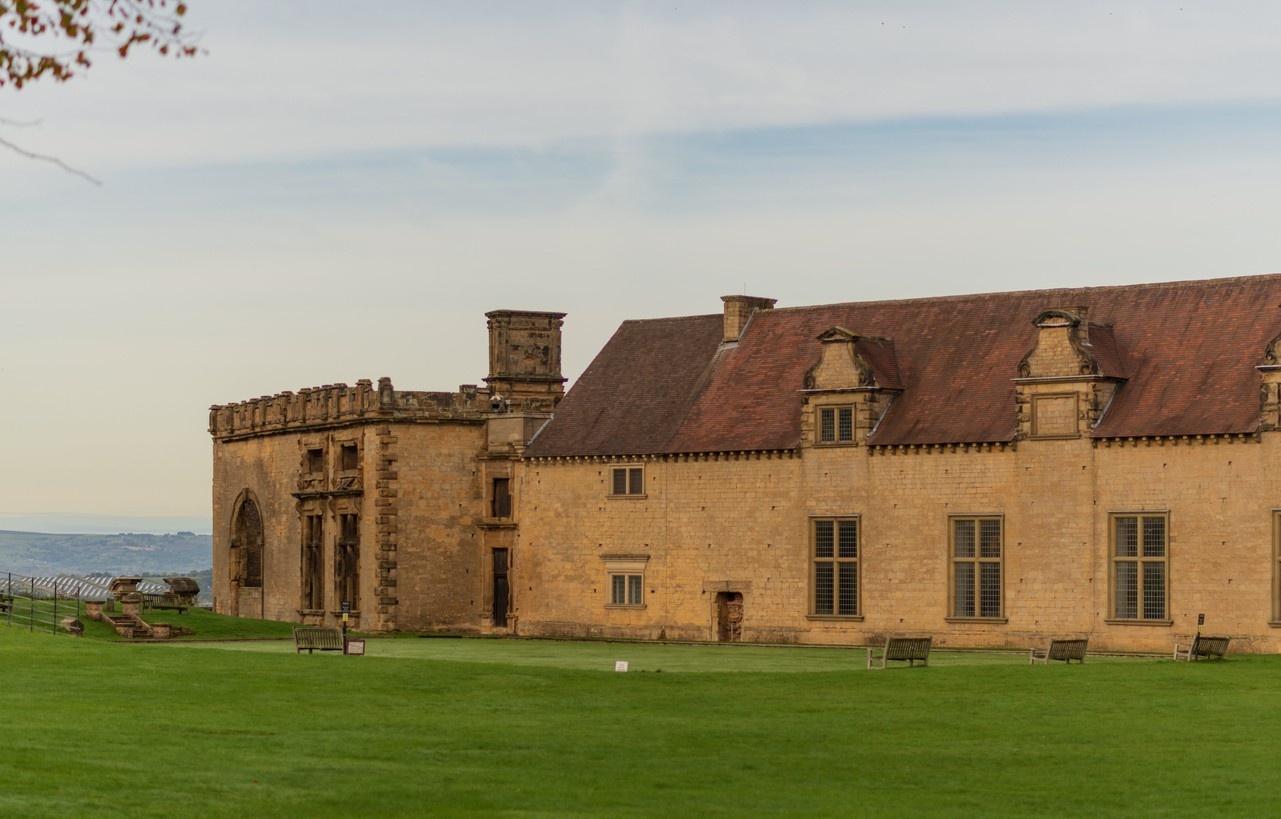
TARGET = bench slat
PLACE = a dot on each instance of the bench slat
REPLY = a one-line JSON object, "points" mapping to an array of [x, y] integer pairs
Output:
{"points": [[1202, 646], [317, 639], [906, 649], [1065, 650]]}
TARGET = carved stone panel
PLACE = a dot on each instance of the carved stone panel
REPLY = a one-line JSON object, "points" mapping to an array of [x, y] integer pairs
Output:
{"points": [[1055, 416]]}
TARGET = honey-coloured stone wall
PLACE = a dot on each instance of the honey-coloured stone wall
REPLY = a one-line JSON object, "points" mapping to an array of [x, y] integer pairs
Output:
{"points": [[742, 523], [439, 501]]}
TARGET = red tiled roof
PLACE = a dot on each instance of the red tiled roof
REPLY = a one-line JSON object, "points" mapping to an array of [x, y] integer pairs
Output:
{"points": [[1102, 344], [632, 397], [879, 355], [1189, 350]]}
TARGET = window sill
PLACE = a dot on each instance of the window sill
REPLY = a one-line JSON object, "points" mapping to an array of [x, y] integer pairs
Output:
{"points": [[626, 497], [840, 618], [497, 523], [1065, 437], [1274, 623], [997, 621], [625, 606], [1114, 622], [827, 444]]}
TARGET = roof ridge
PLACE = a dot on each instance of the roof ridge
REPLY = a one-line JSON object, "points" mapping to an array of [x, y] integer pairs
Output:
{"points": [[963, 297], [703, 316]]}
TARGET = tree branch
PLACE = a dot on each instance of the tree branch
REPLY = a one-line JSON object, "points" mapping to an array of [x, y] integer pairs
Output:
{"points": [[53, 159]]}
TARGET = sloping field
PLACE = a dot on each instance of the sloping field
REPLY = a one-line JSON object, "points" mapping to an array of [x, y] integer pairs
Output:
{"points": [[37, 553], [512, 728]]}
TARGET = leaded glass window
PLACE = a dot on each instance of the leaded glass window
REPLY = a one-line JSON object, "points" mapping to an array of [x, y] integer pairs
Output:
{"points": [[835, 567], [625, 590], [1140, 559], [977, 567], [835, 425], [628, 480]]}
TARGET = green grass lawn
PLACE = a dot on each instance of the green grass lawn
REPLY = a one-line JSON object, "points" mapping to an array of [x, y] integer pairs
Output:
{"points": [[535, 728], [43, 615]]}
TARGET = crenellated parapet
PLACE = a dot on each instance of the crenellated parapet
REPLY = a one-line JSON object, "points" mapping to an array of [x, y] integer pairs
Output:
{"points": [[340, 404]]}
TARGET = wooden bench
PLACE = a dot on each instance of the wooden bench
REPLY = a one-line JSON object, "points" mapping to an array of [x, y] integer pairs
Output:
{"points": [[1065, 650], [167, 601], [1202, 647], [312, 639], [906, 649]]}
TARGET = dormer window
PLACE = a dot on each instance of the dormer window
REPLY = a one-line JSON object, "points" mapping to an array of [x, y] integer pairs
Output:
{"points": [[848, 389], [836, 425]]}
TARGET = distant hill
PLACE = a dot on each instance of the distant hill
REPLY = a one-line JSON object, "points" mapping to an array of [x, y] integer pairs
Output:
{"points": [[36, 553]]}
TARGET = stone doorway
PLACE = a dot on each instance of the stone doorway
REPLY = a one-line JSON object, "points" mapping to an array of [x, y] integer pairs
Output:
{"points": [[729, 617]]}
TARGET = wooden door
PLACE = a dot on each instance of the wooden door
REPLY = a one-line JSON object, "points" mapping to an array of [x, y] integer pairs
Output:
{"points": [[502, 591]]}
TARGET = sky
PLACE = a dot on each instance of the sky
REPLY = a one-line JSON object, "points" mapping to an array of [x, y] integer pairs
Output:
{"points": [[335, 191]]}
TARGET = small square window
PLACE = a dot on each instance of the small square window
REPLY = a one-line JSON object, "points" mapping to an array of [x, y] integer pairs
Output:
{"points": [[625, 580], [626, 590], [348, 458], [628, 480], [315, 460]]}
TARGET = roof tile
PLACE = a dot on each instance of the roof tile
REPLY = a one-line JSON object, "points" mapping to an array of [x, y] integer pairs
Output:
{"points": [[1189, 350]]}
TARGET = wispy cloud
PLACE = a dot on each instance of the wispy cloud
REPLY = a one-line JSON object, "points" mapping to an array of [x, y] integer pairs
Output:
{"points": [[306, 80], [339, 191]]}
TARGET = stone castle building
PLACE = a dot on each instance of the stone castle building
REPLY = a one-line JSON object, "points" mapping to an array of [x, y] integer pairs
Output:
{"points": [[992, 470], [384, 500]]}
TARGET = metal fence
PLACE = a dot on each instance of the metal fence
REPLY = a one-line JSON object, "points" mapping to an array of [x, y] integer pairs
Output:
{"points": [[47, 603]]}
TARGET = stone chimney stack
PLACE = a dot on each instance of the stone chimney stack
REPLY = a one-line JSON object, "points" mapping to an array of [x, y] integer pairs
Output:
{"points": [[524, 360], [738, 311]]}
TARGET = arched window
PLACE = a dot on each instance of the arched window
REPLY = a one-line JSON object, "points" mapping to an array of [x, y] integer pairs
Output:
{"points": [[246, 543]]}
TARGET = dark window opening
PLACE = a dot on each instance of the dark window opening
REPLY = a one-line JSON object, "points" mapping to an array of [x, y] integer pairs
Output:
{"points": [[347, 562], [313, 590], [501, 504], [348, 458], [248, 541], [502, 589], [315, 460]]}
